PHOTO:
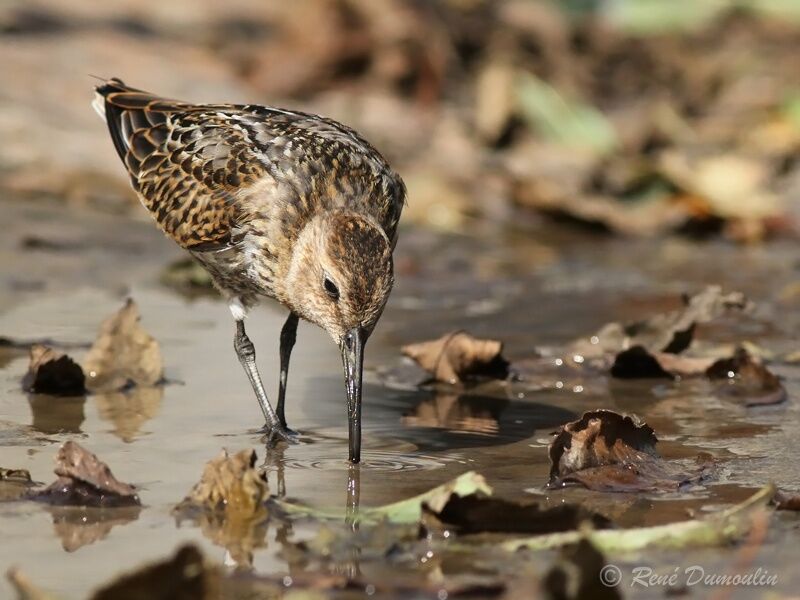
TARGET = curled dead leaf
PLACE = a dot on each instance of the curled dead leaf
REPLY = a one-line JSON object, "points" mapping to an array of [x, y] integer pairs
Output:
{"points": [[229, 504], [670, 332], [123, 354], [457, 356], [606, 451], [84, 480], [747, 378], [52, 372]]}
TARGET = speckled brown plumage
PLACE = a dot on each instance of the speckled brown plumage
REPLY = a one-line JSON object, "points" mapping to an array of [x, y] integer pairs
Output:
{"points": [[274, 203], [216, 176]]}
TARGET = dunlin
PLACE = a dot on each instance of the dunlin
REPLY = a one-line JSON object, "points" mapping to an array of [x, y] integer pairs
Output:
{"points": [[273, 203]]}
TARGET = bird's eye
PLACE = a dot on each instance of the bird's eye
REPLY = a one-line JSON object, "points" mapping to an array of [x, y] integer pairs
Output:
{"points": [[331, 289]]}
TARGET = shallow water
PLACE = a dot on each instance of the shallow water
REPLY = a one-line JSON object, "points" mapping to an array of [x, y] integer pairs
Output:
{"points": [[531, 293]]}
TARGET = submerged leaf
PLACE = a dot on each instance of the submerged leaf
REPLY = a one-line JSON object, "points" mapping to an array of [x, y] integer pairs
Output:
{"points": [[716, 529], [457, 356], [476, 514], [185, 576], [404, 511], [606, 451], [84, 480], [123, 354], [52, 372]]}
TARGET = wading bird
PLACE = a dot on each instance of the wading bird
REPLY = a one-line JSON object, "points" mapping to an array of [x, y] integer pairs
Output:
{"points": [[273, 203]]}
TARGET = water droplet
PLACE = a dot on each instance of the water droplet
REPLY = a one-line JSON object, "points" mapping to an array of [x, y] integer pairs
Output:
{"points": [[287, 581], [577, 358]]}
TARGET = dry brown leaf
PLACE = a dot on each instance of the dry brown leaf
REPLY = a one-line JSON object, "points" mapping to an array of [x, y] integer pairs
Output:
{"points": [[457, 356], [52, 372], [606, 451], [229, 504], [746, 378], [84, 480], [670, 332], [123, 354], [230, 483]]}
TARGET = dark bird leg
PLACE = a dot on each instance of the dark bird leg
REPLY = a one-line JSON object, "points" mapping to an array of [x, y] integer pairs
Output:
{"points": [[247, 356], [288, 338]]}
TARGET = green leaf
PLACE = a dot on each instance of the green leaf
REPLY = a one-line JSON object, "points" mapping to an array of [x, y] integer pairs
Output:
{"points": [[404, 511], [562, 121], [717, 529]]}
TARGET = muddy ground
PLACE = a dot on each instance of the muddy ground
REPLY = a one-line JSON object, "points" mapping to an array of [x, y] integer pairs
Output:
{"points": [[534, 294]]}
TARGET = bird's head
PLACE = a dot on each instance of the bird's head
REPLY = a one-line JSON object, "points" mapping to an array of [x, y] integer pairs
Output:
{"points": [[339, 278]]}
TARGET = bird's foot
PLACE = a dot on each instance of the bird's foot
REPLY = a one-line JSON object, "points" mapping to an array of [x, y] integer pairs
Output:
{"points": [[279, 433]]}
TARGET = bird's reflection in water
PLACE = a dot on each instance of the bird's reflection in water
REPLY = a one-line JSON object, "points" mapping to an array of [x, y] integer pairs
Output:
{"points": [[349, 551], [353, 495], [471, 414]]}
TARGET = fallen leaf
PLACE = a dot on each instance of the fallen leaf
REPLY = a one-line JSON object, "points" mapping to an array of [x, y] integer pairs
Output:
{"points": [[185, 576], [409, 510], [230, 483], [715, 530], [494, 100], [14, 483], [52, 372], [670, 332], [786, 501], [746, 378], [457, 356], [229, 504], [561, 120], [84, 480], [606, 451], [476, 513], [727, 187], [637, 362], [123, 354]]}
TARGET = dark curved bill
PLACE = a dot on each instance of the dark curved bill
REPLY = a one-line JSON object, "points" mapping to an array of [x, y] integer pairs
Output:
{"points": [[353, 361]]}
